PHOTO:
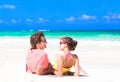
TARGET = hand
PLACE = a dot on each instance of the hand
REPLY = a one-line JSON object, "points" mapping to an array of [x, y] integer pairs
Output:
{"points": [[76, 75]]}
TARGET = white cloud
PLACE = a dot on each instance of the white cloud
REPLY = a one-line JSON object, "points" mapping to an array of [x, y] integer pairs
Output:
{"points": [[28, 20], [71, 19], [117, 16], [87, 17], [13, 21], [41, 20], [7, 6], [106, 17], [112, 18]]}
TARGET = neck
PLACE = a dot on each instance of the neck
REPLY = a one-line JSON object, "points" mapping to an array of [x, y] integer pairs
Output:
{"points": [[66, 50]]}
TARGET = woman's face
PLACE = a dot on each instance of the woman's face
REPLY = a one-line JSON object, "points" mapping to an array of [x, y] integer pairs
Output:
{"points": [[62, 45]]}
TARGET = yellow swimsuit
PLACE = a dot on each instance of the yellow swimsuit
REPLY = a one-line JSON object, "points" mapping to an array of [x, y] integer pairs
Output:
{"points": [[64, 70], [56, 67]]}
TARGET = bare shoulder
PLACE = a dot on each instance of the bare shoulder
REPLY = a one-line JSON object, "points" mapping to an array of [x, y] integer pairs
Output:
{"points": [[75, 56], [59, 55]]}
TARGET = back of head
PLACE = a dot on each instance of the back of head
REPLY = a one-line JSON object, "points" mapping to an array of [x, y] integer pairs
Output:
{"points": [[36, 38], [70, 42]]}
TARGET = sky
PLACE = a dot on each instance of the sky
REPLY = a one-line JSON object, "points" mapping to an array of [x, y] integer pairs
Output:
{"points": [[59, 14]]}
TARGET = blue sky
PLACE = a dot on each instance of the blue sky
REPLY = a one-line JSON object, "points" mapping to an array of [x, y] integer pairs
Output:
{"points": [[60, 14]]}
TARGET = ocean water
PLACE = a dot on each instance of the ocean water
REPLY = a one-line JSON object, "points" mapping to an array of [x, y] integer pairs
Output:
{"points": [[113, 35]]}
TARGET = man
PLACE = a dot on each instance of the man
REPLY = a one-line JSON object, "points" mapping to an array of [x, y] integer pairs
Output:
{"points": [[37, 61]]}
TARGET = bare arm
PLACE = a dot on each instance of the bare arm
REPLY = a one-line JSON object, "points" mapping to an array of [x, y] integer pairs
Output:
{"points": [[41, 71], [77, 67]]}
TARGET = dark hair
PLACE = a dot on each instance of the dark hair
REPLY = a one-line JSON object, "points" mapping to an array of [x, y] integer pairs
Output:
{"points": [[70, 42], [36, 38]]}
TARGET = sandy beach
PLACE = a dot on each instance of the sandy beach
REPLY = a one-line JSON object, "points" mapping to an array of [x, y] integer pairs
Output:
{"points": [[100, 59]]}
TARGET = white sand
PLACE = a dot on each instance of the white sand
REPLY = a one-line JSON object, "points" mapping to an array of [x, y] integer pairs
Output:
{"points": [[100, 59]]}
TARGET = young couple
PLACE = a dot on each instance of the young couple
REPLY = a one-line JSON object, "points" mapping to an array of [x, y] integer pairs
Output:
{"points": [[37, 61]]}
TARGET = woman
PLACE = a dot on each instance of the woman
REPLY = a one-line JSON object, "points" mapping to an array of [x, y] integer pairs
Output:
{"points": [[65, 59], [37, 61]]}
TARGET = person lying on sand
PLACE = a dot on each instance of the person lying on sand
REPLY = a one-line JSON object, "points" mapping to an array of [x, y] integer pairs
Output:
{"points": [[65, 59], [37, 61]]}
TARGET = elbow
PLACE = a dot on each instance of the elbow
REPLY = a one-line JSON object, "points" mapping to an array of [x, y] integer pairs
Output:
{"points": [[39, 72]]}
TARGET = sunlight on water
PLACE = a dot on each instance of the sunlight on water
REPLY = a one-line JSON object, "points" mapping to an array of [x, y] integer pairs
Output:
{"points": [[83, 35]]}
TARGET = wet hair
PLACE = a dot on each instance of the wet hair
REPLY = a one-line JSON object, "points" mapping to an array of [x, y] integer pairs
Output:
{"points": [[36, 38], [70, 42]]}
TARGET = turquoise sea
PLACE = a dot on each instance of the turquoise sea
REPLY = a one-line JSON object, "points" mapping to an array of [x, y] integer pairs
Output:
{"points": [[78, 34]]}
